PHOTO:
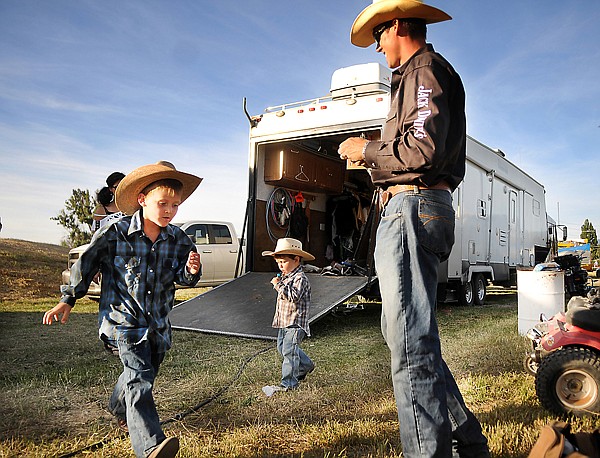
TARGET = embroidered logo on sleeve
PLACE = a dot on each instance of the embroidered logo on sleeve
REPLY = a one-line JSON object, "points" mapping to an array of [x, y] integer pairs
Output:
{"points": [[423, 113]]}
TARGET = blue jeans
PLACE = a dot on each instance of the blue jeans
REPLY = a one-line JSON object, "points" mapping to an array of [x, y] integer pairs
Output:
{"points": [[415, 233], [132, 396], [296, 363]]}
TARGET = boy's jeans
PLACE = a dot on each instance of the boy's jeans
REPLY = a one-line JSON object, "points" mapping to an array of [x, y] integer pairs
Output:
{"points": [[416, 232], [132, 395], [296, 363]]}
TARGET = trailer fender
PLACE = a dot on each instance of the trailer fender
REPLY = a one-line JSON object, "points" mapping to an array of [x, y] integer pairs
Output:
{"points": [[487, 272]]}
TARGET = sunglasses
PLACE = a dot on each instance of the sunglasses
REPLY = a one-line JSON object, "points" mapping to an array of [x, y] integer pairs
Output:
{"points": [[378, 31]]}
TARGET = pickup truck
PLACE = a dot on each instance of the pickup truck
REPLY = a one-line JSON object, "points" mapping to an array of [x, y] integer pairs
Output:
{"points": [[216, 242]]}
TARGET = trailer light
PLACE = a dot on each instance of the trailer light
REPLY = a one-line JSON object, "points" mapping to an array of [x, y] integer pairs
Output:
{"points": [[280, 113], [311, 109], [323, 107], [300, 110], [351, 101]]}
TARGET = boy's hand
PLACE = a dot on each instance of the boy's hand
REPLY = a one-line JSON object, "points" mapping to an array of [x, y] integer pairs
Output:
{"points": [[275, 280], [193, 263], [54, 314]]}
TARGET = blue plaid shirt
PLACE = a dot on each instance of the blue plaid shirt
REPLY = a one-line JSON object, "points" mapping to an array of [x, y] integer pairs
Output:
{"points": [[138, 280]]}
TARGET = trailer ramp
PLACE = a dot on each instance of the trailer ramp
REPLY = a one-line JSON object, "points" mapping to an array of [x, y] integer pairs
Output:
{"points": [[244, 307]]}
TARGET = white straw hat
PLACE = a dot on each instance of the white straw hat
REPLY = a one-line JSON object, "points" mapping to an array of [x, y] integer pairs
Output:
{"points": [[291, 246]]}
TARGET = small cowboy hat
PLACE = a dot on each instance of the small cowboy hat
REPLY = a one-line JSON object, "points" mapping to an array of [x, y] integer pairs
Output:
{"points": [[386, 10], [126, 194], [291, 246]]}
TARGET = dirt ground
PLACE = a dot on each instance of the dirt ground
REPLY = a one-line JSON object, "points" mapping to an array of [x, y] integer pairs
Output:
{"points": [[30, 270]]}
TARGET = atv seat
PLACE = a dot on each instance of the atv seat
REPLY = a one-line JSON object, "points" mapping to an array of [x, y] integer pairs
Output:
{"points": [[583, 314]]}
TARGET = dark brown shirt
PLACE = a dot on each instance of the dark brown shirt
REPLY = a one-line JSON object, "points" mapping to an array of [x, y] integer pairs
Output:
{"points": [[424, 138]]}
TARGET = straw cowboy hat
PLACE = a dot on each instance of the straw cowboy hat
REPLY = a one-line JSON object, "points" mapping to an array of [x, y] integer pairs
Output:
{"points": [[126, 194], [386, 10], [289, 246]]}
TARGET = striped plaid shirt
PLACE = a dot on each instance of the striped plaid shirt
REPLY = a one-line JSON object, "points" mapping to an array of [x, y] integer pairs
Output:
{"points": [[138, 280], [293, 300]]}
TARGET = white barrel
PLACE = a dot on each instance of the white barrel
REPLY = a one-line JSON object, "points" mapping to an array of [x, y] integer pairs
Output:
{"points": [[539, 292]]}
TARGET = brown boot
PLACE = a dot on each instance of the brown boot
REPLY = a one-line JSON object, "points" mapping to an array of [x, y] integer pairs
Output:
{"points": [[166, 449]]}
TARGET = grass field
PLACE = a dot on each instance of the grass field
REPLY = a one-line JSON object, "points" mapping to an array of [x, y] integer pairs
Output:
{"points": [[55, 381]]}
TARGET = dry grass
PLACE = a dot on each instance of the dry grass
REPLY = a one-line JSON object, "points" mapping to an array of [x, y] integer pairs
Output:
{"points": [[30, 270], [55, 381]]}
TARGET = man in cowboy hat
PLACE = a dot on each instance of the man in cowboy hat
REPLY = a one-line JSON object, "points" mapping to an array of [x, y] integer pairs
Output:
{"points": [[291, 314], [417, 163], [140, 257]]}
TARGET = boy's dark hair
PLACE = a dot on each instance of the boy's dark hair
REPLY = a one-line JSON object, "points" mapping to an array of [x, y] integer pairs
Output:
{"points": [[416, 27], [168, 183], [289, 256]]}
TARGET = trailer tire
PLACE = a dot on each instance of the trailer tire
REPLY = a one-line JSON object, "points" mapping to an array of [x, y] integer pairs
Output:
{"points": [[479, 288], [466, 294]]}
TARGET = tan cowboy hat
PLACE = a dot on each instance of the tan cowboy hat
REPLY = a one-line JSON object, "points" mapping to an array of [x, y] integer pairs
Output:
{"points": [[291, 246], [386, 10], [126, 194]]}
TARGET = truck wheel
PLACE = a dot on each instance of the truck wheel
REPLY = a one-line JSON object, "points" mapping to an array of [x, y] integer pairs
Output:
{"points": [[567, 381], [466, 294], [479, 284]]}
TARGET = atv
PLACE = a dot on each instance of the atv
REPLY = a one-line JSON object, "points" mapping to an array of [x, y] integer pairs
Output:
{"points": [[565, 358]]}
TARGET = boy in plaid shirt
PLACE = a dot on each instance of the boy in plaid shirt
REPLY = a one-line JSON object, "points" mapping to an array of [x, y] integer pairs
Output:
{"points": [[140, 256], [291, 314]]}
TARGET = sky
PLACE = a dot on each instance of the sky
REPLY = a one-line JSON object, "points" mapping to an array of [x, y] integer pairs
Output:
{"points": [[89, 87]]}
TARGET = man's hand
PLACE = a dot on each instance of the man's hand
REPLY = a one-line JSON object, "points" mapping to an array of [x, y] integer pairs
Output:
{"points": [[352, 149], [55, 313], [193, 263]]}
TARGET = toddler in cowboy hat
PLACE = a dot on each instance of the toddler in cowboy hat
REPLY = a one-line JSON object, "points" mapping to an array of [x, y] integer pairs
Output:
{"points": [[140, 257], [291, 314]]}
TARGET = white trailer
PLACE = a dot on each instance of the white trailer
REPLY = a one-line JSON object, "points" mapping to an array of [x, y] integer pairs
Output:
{"points": [[500, 210], [501, 225]]}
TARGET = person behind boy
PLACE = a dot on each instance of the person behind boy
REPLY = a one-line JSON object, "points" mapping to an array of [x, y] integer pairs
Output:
{"points": [[291, 314], [140, 257]]}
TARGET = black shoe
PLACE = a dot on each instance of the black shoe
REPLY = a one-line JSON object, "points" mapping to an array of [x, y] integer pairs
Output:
{"points": [[303, 376]]}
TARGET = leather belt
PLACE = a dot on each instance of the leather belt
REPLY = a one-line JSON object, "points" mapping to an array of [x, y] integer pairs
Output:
{"points": [[391, 191]]}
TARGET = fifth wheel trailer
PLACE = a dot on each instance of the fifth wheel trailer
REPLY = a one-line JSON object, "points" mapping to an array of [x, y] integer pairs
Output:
{"points": [[500, 209], [299, 187]]}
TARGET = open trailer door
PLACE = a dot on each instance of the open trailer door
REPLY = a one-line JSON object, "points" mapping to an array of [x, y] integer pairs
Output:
{"points": [[245, 306]]}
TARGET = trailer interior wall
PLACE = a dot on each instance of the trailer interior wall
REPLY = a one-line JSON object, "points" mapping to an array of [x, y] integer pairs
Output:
{"points": [[340, 184]]}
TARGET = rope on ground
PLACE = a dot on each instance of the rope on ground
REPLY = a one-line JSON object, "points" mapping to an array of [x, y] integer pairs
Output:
{"points": [[182, 415]]}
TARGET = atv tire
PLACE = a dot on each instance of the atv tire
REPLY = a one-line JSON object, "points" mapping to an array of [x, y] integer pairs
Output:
{"points": [[568, 381], [530, 365]]}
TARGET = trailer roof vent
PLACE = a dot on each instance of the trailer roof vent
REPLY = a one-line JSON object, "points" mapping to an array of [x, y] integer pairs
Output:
{"points": [[372, 78]]}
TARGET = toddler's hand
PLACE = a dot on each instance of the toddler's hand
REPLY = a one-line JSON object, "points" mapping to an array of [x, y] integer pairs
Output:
{"points": [[193, 263]]}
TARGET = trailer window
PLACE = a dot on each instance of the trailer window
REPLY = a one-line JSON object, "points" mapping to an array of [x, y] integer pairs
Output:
{"points": [[481, 208], [513, 212], [536, 207]]}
